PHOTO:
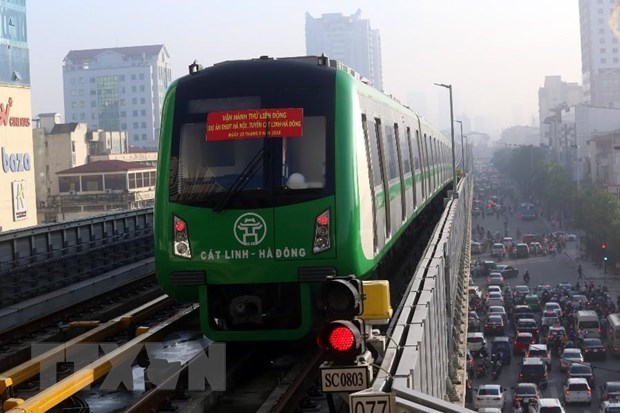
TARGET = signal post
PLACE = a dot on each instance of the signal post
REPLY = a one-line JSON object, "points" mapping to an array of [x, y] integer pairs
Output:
{"points": [[352, 307]]}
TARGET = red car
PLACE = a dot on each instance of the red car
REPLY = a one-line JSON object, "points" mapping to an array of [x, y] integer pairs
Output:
{"points": [[522, 343]]}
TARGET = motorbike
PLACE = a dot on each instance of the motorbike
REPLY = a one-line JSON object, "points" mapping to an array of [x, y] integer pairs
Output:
{"points": [[526, 278], [497, 369]]}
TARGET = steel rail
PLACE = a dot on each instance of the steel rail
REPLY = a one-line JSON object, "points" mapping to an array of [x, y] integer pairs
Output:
{"points": [[31, 368]]}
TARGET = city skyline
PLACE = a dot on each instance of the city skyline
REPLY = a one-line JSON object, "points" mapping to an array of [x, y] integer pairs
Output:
{"points": [[481, 47]]}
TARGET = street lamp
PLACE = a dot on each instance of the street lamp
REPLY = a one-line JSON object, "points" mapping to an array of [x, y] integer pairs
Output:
{"points": [[454, 193], [462, 146]]}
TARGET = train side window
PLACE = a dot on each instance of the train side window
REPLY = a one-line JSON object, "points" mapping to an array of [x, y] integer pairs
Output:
{"points": [[416, 152], [390, 156], [386, 182], [411, 151], [371, 178], [399, 153]]}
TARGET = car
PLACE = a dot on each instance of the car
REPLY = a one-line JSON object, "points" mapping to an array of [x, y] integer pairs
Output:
{"points": [[495, 278], [540, 288], [476, 248], [593, 348], [525, 393], [541, 351], [502, 345], [554, 331], [522, 250], [489, 395], [476, 342], [534, 370], [577, 390], [498, 310], [546, 405], [533, 302], [571, 237], [493, 289], [521, 290], [498, 250], [485, 268], [610, 407], [508, 271], [521, 311], [495, 298], [494, 325], [570, 356], [565, 286], [527, 325], [553, 306], [550, 318], [582, 370], [580, 298], [522, 343], [610, 390], [536, 248]]}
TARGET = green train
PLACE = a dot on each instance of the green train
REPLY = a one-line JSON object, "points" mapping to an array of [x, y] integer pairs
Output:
{"points": [[275, 174]]}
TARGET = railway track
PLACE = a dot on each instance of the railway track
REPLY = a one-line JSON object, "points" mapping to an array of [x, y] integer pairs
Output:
{"points": [[117, 356], [60, 326]]}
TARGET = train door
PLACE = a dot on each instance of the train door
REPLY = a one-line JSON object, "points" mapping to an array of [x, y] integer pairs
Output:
{"points": [[413, 163], [402, 156]]}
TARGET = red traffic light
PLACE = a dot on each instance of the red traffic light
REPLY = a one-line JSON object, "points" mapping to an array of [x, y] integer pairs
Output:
{"points": [[342, 340], [603, 246]]}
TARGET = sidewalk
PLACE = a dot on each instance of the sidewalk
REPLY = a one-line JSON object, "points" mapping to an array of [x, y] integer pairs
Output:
{"points": [[591, 272]]}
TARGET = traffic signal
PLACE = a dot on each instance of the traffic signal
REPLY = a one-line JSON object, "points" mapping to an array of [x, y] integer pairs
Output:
{"points": [[342, 340], [342, 298], [603, 246], [342, 337]]}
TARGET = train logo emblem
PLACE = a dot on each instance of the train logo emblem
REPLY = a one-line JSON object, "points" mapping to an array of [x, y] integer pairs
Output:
{"points": [[250, 229]]}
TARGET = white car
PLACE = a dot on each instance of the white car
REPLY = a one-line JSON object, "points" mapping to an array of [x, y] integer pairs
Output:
{"points": [[521, 290], [570, 356], [495, 299], [489, 395], [553, 306], [546, 406], [475, 342], [495, 278], [493, 289], [610, 407], [498, 310], [577, 390]]}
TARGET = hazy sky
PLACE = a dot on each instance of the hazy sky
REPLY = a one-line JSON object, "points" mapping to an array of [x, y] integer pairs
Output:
{"points": [[495, 53]]}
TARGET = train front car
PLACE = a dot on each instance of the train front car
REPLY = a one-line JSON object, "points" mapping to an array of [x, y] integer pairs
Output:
{"points": [[245, 214]]}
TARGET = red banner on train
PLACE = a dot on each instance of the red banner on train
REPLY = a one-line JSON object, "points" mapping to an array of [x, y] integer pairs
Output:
{"points": [[255, 123]]}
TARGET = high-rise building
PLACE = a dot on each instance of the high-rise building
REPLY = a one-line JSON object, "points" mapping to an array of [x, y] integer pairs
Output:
{"points": [[118, 89], [600, 54], [554, 96], [18, 207], [348, 39]]}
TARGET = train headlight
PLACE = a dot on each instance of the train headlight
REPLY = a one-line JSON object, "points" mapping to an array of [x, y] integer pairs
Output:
{"points": [[181, 246], [322, 241]]}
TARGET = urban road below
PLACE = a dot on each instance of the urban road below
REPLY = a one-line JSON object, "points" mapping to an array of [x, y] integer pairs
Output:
{"points": [[549, 270]]}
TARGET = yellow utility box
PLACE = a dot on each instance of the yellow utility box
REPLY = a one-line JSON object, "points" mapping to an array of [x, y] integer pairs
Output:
{"points": [[377, 307]]}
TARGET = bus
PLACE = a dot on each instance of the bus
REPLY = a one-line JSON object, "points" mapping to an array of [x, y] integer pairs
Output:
{"points": [[528, 211]]}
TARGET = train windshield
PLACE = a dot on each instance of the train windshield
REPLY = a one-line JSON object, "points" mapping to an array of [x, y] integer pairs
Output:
{"points": [[244, 152]]}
